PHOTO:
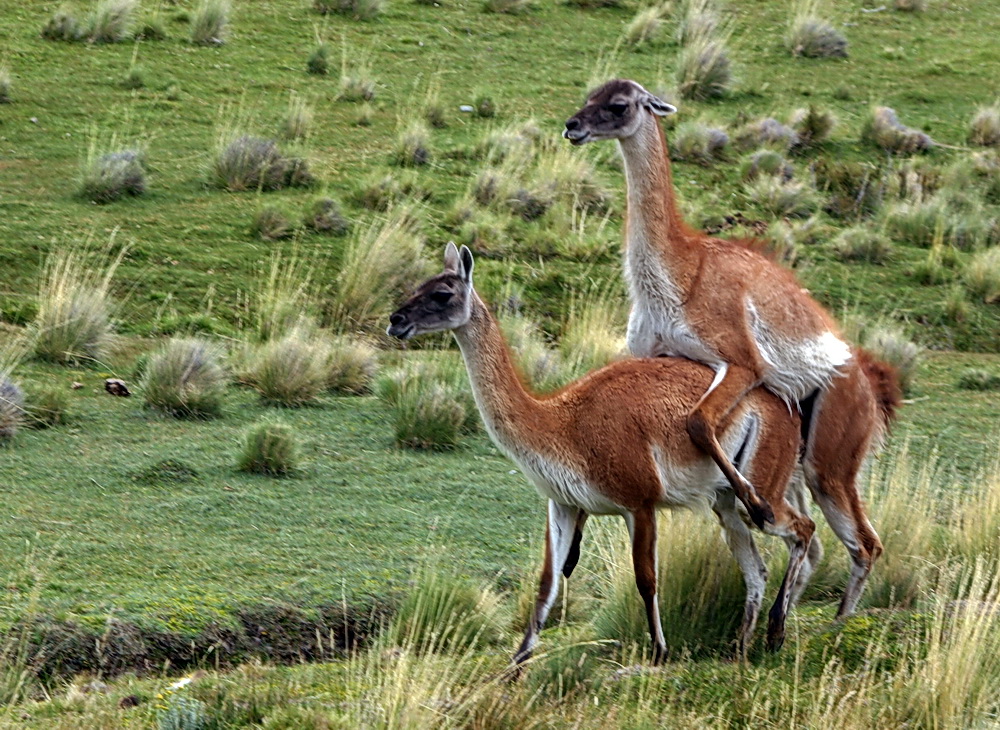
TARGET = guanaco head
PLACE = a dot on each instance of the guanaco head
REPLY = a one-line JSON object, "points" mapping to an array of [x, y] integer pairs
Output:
{"points": [[615, 110], [443, 302]]}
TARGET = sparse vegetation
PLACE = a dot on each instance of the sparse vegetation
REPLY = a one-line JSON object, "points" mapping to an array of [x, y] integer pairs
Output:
{"points": [[318, 62], [766, 132], [507, 7], [698, 19], [357, 9], [977, 379], [63, 26], [210, 22], [911, 6], [271, 449], [698, 142], [888, 342], [324, 216], [766, 162], [185, 379], [356, 81], [352, 365], [291, 370], [860, 243], [110, 176], [11, 406], [812, 125], [246, 163], [112, 21], [782, 199], [5, 85], [413, 145], [646, 26], [272, 223], [298, 119], [703, 68], [431, 404], [45, 406]]}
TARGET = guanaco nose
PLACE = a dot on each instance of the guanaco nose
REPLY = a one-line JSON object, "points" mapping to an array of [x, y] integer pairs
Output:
{"points": [[572, 123], [396, 318]]}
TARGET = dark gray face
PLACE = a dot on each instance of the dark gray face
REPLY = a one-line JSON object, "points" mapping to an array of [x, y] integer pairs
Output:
{"points": [[439, 304], [613, 111]]}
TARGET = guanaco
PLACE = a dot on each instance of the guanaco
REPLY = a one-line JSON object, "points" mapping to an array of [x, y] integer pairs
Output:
{"points": [[725, 304], [614, 443]]}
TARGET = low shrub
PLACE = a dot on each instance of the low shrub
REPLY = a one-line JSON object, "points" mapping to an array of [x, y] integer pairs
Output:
{"points": [[63, 26], [860, 243], [855, 189], [152, 30], [298, 119], [356, 83], [111, 176], [883, 129], [271, 223], [255, 163], [812, 37], [485, 107], [812, 125], [270, 449], [766, 132], [984, 129], [697, 19], [46, 406], [351, 366], [185, 379], [134, 79], [782, 199], [976, 379], [698, 142], [982, 275], [318, 62], [592, 334], [956, 305], [766, 162], [12, 411], [703, 69], [887, 341], [324, 216], [210, 22]]}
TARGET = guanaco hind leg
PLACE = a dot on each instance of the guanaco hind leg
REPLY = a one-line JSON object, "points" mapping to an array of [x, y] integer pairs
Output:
{"points": [[642, 531], [730, 385], [562, 535]]}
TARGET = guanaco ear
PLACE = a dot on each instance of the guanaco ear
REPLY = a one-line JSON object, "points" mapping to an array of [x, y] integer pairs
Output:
{"points": [[467, 263], [656, 105], [451, 262]]}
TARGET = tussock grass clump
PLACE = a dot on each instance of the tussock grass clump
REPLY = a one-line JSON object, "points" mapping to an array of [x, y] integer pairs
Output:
{"points": [[860, 243], [46, 406], [209, 23], [698, 19], [883, 129], [152, 30], [811, 36], [356, 82], [766, 132], [445, 613], [887, 341], [112, 21], [856, 190], [698, 142], [185, 379], [646, 26], [984, 129], [782, 199], [318, 62], [12, 411], [298, 118], [485, 106], [290, 371], [911, 6], [543, 366], [812, 125], [352, 365], [111, 176], [63, 26], [73, 322], [916, 223], [766, 162], [270, 449], [324, 216], [357, 9], [284, 296], [255, 163], [379, 262], [272, 223], [977, 379], [703, 68], [956, 306], [431, 402], [982, 275], [383, 192], [413, 145]]}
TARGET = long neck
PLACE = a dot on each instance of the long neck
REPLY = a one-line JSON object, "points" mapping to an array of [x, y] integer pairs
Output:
{"points": [[514, 417]]}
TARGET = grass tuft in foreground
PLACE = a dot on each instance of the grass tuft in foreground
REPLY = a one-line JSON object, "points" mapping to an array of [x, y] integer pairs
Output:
{"points": [[210, 22], [110, 176], [270, 449], [811, 36]]}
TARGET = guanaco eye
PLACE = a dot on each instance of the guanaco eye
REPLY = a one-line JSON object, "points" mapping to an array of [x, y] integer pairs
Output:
{"points": [[617, 109], [441, 297]]}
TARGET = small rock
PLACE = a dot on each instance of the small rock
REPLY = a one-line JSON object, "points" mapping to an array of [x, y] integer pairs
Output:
{"points": [[33, 120], [117, 387], [76, 385], [129, 701], [466, 108]]}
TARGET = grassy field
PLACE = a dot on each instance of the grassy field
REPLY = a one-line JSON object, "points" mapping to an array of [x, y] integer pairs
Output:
{"points": [[130, 542]]}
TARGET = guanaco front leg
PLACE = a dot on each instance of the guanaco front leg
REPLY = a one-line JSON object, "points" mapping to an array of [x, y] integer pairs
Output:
{"points": [[730, 385], [642, 530], [562, 549]]}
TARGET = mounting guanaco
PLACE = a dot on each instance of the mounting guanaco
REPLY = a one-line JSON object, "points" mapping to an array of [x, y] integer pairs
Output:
{"points": [[725, 304], [614, 442]]}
